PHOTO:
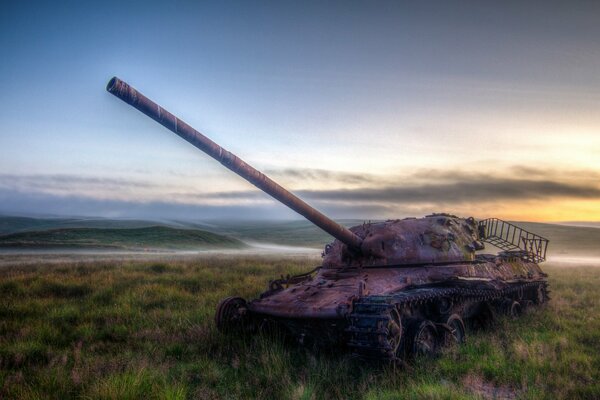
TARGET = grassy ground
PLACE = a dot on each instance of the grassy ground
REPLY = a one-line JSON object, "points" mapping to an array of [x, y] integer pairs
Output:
{"points": [[135, 330]]}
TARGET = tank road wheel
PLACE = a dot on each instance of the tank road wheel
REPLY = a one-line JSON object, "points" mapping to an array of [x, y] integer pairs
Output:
{"points": [[445, 305], [394, 332], [232, 315], [520, 294], [513, 309], [540, 295], [422, 338], [457, 333], [270, 327], [485, 315]]}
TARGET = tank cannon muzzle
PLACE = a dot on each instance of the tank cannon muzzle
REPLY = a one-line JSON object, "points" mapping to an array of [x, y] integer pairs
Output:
{"points": [[137, 100]]}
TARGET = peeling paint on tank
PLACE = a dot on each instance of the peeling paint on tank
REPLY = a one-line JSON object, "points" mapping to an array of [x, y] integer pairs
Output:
{"points": [[437, 238]]}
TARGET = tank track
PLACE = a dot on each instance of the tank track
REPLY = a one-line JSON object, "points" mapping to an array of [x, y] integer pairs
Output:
{"points": [[367, 329]]}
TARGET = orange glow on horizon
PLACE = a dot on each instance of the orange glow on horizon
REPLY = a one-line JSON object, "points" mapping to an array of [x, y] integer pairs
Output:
{"points": [[540, 211]]}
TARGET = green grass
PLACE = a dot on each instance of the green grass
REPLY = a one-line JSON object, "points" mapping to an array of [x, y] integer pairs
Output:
{"points": [[132, 330], [153, 237]]}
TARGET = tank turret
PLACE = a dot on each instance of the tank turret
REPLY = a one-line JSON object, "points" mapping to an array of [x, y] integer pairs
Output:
{"points": [[435, 239]]}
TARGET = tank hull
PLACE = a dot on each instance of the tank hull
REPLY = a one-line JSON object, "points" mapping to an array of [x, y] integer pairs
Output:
{"points": [[414, 287], [378, 312], [330, 293]]}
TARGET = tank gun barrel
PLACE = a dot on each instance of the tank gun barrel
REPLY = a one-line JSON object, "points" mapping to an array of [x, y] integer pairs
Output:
{"points": [[131, 96]]}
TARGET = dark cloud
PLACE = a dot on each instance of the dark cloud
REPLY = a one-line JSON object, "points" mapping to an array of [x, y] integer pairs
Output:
{"points": [[47, 204], [422, 191], [555, 174], [323, 175], [67, 181], [52, 205], [459, 192], [482, 189], [512, 172]]}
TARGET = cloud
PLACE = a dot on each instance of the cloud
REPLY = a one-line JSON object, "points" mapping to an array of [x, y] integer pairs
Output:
{"points": [[416, 193], [444, 187], [51, 205], [511, 172], [67, 181], [322, 175], [465, 191]]}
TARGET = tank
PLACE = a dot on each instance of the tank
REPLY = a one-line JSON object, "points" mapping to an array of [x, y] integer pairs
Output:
{"points": [[387, 290]]}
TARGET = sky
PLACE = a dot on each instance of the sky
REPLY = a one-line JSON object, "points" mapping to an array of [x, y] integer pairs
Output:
{"points": [[366, 110]]}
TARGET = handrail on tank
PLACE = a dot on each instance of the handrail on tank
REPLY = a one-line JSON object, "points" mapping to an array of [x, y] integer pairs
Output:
{"points": [[137, 100], [510, 237]]}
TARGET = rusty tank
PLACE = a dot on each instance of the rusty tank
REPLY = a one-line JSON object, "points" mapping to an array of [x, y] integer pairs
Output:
{"points": [[385, 290]]}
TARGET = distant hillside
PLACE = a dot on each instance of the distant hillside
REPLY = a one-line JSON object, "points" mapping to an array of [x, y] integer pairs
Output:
{"points": [[293, 233], [153, 237], [589, 224], [565, 241], [11, 224]]}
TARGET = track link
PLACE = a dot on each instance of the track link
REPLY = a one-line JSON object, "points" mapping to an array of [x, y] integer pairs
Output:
{"points": [[367, 330]]}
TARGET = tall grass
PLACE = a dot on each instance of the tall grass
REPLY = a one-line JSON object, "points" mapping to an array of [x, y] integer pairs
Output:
{"points": [[132, 330]]}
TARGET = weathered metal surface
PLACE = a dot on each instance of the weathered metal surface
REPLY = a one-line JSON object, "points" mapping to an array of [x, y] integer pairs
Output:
{"points": [[438, 238], [330, 294], [367, 338], [137, 100]]}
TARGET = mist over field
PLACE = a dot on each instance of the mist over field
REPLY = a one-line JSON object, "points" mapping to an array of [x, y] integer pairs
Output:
{"points": [[27, 238]]}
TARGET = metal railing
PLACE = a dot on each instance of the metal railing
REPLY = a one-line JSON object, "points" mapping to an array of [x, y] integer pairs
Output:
{"points": [[509, 237]]}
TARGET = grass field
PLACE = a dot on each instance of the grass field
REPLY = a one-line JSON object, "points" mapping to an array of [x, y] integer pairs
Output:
{"points": [[130, 330]]}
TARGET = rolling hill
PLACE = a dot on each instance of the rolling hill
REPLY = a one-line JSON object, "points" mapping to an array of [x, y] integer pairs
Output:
{"points": [[28, 232], [152, 237], [13, 224]]}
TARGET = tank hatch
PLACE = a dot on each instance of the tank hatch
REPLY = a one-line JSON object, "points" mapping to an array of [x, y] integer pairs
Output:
{"points": [[436, 238]]}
